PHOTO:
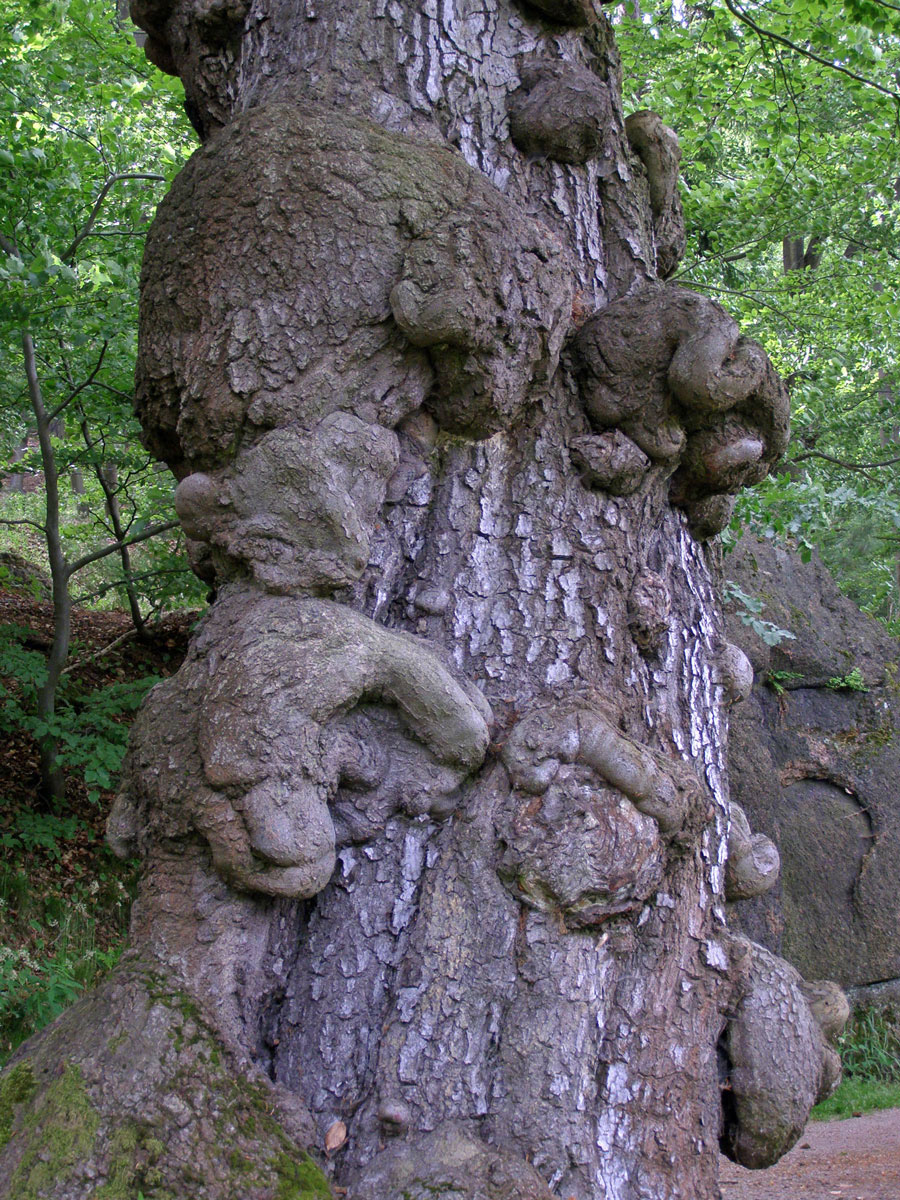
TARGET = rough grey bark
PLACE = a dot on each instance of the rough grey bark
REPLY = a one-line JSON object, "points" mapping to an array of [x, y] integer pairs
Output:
{"points": [[434, 820]]}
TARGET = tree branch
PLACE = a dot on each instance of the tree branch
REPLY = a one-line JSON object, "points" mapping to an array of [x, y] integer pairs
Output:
{"points": [[81, 386], [138, 577], [738, 12], [114, 644], [86, 228], [840, 462], [114, 546], [22, 521]]}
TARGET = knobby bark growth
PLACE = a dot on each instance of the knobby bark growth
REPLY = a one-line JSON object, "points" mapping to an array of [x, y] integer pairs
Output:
{"points": [[434, 822]]}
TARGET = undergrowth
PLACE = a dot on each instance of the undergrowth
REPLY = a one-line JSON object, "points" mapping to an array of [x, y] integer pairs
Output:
{"points": [[90, 725], [64, 898], [870, 1053], [58, 941]]}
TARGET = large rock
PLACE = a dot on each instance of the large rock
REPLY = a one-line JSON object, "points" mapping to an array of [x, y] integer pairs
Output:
{"points": [[815, 766]]}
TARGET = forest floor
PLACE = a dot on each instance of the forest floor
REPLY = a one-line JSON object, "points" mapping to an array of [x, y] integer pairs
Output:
{"points": [[856, 1159]]}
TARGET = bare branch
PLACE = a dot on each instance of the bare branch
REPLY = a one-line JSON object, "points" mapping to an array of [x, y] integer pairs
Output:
{"points": [[840, 462], [738, 12], [81, 386], [113, 645], [113, 391], [114, 546], [22, 521], [137, 577], [86, 228]]}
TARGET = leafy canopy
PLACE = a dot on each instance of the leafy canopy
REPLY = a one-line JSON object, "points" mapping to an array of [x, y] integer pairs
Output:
{"points": [[789, 115], [90, 138]]}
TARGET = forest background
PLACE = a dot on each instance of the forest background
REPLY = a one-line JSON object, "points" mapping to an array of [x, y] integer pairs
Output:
{"points": [[788, 116]]}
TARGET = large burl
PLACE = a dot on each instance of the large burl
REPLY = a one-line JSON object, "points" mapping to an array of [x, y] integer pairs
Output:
{"points": [[669, 370], [260, 731], [281, 420], [591, 813], [282, 415], [775, 1056]]}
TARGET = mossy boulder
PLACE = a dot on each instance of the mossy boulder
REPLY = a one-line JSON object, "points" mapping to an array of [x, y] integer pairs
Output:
{"points": [[814, 761], [131, 1093]]}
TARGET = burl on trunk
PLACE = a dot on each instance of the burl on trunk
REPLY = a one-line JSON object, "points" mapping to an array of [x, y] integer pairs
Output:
{"points": [[434, 823]]}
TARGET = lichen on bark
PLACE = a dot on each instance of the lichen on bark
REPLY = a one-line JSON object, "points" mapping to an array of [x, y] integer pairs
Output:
{"points": [[434, 821]]}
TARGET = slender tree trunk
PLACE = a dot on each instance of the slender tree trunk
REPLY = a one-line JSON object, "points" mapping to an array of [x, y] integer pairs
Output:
{"points": [[434, 821], [107, 477], [52, 778]]}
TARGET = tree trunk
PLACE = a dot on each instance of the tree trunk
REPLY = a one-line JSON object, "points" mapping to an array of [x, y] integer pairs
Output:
{"points": [[53, 782], [434, 819], [108, 478]]}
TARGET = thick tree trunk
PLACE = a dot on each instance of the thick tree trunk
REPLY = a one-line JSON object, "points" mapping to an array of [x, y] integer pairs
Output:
{"points": [[434, 819]]}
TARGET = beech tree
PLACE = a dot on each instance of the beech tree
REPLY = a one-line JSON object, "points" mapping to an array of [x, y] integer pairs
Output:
{"points": [[434, 821]]}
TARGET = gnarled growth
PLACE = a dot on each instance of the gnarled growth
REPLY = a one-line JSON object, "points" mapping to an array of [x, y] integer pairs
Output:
{"points": [[656, 145], [777, 1064], [669, 369], [267, 735]]}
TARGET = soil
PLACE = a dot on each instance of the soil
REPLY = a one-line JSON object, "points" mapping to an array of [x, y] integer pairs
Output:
{"points": [[856, 1159]]}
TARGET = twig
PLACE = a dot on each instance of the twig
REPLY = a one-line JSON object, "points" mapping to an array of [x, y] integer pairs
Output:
{"points": [[82, 662], [840, 462], [114, 546], [86, 228], [738, 12], [81, 386], [21, 521]]}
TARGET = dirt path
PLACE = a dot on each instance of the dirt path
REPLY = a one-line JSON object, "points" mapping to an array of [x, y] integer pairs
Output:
{"points": [[857, 1159]]}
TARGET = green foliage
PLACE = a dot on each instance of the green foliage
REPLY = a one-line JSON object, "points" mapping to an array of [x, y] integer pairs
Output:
{"points": [[50, 951], [90, 137], [39, 831], [856, 1096], [87, 724], [748, 609], [870, 1052], [776, 680], [790, 169], [870, 1045], [160, 575]]}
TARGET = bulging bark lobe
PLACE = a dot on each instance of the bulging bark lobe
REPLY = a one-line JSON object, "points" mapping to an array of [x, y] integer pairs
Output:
{"points": [[434, 822]]}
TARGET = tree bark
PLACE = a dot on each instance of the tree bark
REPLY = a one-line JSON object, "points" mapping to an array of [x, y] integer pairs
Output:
{"points": [[434, 820]]}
